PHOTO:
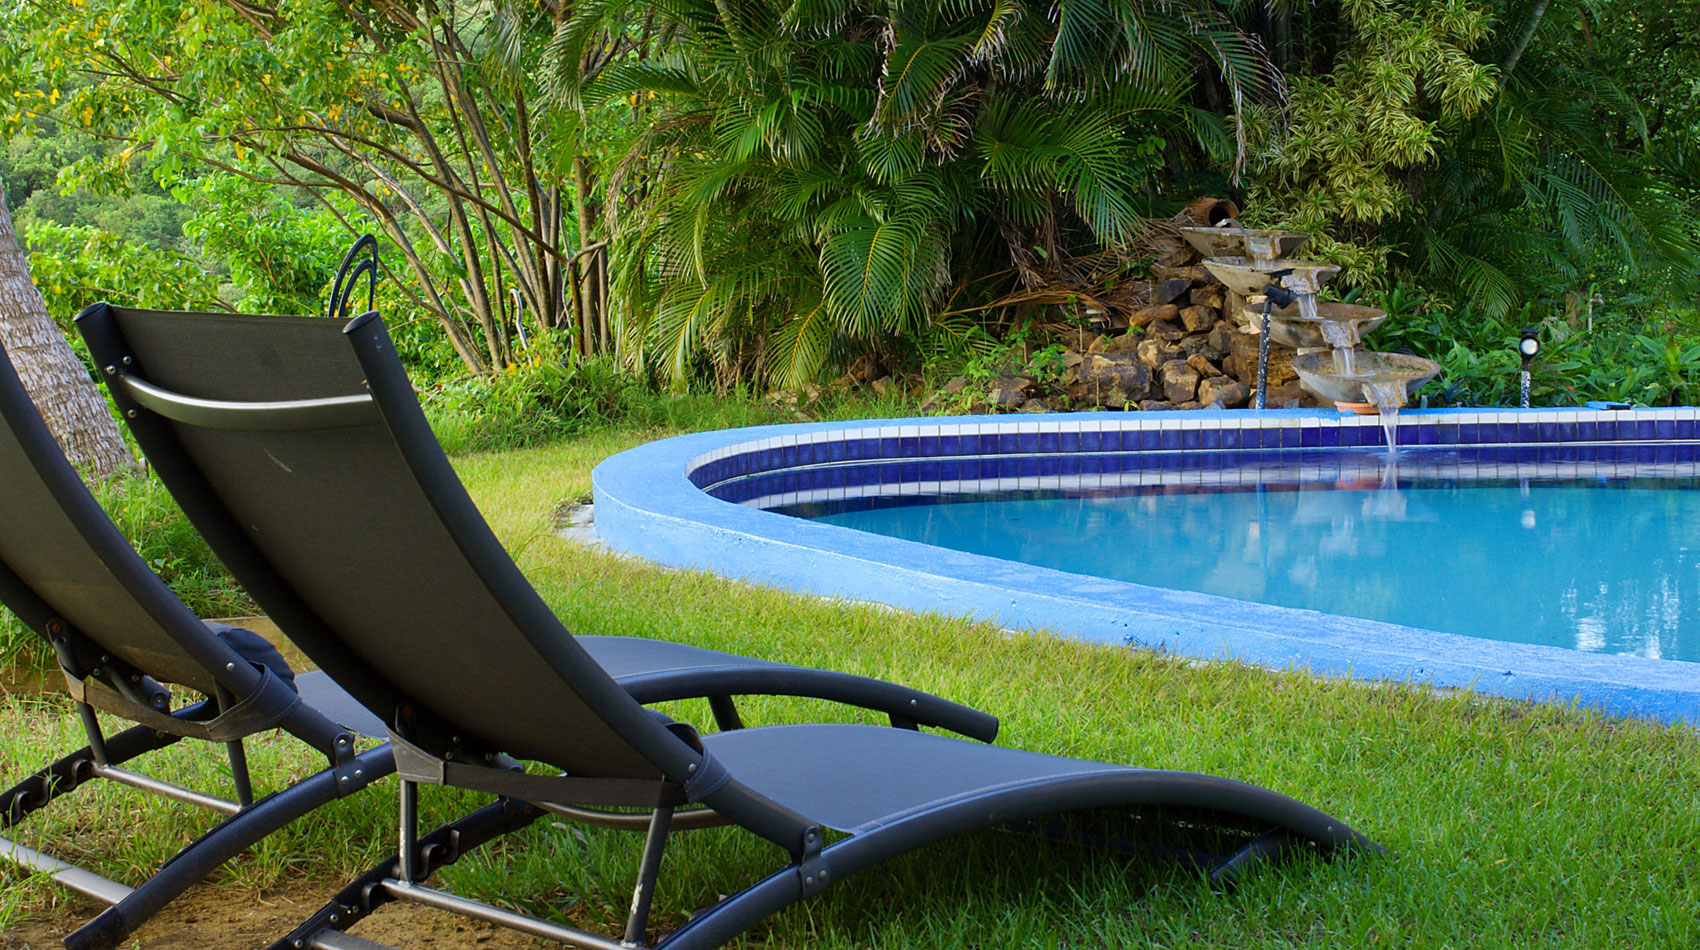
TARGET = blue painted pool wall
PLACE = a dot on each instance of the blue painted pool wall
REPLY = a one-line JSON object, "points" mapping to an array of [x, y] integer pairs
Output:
{"points": [[648, 505]]}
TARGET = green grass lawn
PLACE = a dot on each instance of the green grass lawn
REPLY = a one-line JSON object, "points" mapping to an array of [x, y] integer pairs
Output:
{"points": [[1507, 825]]}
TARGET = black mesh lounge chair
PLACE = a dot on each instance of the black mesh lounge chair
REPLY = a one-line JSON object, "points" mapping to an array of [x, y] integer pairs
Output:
{"points": [[120, 635], [325, 471]]}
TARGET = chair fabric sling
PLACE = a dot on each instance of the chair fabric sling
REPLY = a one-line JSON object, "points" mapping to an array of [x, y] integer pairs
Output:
{"points": [[120, 637], [342, 487]]}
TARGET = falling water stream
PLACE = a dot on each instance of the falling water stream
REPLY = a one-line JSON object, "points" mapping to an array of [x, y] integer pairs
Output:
{"points": [[1388, 396]]}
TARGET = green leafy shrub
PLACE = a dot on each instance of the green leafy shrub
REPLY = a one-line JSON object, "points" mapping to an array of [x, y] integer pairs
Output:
{"points": [[542, 396], [76, 266], [1642, 351]]}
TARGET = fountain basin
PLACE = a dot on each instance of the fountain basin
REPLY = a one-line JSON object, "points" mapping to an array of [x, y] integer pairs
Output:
{"points": [[1289, 327], [1318, 376], [1230, 240], [1246, 276]]}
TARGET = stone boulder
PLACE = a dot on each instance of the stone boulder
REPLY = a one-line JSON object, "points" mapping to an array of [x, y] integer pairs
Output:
{"points": [[1118, 372], [1192, 274], [1164, 330], [1144, 316], [1173, 291], [1196, 318], [1127, 343], [1154, 353], [1202, 366], [1180, 381], [1222, 337], [1284, 395], [1231, 393]]}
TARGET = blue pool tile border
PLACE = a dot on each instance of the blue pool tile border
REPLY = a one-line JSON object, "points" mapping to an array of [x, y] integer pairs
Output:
{"points": [[654, 501]]}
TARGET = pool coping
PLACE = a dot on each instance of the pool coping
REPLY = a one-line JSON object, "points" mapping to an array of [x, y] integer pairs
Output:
{"points": [[648, 505]]}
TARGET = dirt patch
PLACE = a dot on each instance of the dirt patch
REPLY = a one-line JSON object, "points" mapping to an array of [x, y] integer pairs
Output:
{"points": [[222, 917], [29, 682]]}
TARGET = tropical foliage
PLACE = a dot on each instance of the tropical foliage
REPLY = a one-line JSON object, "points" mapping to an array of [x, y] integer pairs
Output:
{"points": [[758, 193], [820, 177], [418, 123], [1489, 150]]}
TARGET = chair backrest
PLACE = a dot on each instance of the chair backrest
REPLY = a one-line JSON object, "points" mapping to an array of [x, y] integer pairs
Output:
{"points": [[63, 562], [297, 447]]}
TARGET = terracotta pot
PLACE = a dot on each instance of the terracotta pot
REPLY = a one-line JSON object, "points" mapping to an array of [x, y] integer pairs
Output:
{"points": [[1209, 212]]}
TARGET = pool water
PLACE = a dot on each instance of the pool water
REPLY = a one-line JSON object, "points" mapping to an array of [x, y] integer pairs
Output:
{"points": [[1597, 564]]}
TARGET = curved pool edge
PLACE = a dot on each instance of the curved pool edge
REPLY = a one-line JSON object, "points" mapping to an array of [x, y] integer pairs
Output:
{"points": [[648, 506]]}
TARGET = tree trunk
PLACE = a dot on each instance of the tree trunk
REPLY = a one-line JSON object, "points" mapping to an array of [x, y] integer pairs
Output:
{"points": [[56, 380], [1531, 23], [591, 317]]}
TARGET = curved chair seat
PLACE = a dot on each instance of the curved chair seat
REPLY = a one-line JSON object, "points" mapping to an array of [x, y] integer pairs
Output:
{"points": [[907, 790], [863, 779], [891, 791]]}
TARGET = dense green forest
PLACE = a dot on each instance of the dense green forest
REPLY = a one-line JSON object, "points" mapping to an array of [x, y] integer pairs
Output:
{"points": [[757, 194]]}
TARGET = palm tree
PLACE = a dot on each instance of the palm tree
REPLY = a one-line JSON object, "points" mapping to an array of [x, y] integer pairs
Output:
{"points": [[820, 175], [56, 380], [1536, 189]]}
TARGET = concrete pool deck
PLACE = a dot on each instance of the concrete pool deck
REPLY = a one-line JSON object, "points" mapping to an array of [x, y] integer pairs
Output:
{"points": [[650, 502]]}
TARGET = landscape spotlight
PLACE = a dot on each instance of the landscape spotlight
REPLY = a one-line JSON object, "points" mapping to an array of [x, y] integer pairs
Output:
{"points": [[1529, 345]]}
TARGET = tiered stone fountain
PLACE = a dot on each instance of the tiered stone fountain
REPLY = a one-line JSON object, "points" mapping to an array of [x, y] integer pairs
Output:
{"points": [[1331, 362]]}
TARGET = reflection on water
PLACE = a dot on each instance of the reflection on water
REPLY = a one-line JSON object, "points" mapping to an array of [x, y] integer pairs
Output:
{"points": [[1593, 567]]}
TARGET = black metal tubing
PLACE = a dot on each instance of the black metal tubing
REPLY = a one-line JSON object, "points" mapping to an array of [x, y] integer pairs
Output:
{"points": [[223, 842], [865, 692], [72, 771], [441, 847], [1295, 825], [288, 416], [342, 287]]}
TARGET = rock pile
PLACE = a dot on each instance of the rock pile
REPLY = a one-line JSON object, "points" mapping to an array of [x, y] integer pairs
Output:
{"points": [[1180, 350]]}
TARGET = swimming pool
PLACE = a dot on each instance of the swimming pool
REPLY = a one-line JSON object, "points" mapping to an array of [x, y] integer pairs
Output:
{"points": [[1485, 542], [699, 501]]}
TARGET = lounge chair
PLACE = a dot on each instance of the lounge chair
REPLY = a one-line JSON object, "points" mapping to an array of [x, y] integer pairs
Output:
{"points": [[298, 448], [120, 635]]}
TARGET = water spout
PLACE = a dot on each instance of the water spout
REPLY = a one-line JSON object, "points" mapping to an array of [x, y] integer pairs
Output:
{"points": [[1340, 334], [1388, 397]]}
